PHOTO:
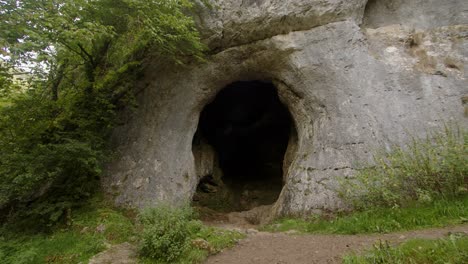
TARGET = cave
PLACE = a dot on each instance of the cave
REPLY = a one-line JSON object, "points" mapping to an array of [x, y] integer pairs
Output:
{"points": [[248, 129]]}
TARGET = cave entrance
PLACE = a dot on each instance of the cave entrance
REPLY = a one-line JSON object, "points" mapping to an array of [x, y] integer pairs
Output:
{"points": [[248, 129]]}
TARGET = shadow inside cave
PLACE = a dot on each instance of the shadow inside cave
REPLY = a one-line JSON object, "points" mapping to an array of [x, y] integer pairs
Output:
{"points": [[249, 128]]}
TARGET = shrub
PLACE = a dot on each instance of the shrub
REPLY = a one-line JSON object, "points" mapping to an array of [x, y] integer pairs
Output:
{"points": [[167, 232], [50, 157], [425, 169]]}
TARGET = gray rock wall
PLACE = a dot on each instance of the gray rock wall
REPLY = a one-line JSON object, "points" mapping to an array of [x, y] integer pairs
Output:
{"points": [[232, 23], [349, 88], [421, 14]]}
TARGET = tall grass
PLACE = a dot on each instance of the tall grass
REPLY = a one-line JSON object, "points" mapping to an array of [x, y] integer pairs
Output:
{"points": [[420, 185], [381, 220], [450, 250], [424, 170]]}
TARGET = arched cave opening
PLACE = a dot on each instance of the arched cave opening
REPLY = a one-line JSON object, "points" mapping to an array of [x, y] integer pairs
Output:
{"points": [[247, 128]]}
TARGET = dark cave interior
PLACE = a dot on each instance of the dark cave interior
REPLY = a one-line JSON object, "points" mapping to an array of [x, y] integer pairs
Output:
{"points": [[249, 128]]}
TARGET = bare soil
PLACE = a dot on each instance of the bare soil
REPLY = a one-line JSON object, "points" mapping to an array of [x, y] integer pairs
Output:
{"points": [[286, 248], [290, 248]]}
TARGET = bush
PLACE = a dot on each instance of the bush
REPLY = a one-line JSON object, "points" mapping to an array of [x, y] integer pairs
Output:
{"points": [[173, 235], [424, 170], [50, 156], [167, 232]]}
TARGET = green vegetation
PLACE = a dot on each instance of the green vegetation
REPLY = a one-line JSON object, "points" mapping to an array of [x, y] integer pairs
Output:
{"points": [[174, 236], [4, 103], [165, 235], [67, 68], [82, 59], [382, 220], [423, 184], [422, 171], [451, 250], [88, 231]]}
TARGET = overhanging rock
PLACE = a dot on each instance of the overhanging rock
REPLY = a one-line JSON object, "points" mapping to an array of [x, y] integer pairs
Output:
{"points": [[350, 86]]}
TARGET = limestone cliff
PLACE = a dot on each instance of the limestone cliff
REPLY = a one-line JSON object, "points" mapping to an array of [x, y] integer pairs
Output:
{"points": [[354, 74]]}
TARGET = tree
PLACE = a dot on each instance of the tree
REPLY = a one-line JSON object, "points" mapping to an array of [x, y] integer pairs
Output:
{"points": [[83, 57]]}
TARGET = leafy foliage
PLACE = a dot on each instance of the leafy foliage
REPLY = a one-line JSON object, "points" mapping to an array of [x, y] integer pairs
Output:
{"points": [[167, 231], [173, 235], [426, 169], [82, 59]]}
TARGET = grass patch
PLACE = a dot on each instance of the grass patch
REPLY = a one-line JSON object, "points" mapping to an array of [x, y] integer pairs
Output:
{"points": [[381, 220], [89, 231], [453, 249], [423, 170], [61, 247], [174, 234]]}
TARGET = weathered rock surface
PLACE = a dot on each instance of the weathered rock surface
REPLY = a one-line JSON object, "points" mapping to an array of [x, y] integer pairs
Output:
{"points": [[350, 87], [422, 14], [232, 23]]}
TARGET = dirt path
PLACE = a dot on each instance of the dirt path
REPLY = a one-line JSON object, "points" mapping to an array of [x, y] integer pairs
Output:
{"points": [[282, 248]]}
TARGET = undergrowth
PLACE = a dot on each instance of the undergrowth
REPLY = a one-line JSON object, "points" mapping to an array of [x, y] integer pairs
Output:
{"points": [[381, 220], [173, 235], [420, 185], [450, 250], [423, 170], [89, 230], [164, 235]]}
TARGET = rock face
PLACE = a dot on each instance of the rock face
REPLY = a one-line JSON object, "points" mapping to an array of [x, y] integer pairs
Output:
{"points": [[354, 75]]}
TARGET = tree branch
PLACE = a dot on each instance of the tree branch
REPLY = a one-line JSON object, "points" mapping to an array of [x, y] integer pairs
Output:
{"points": [[90, 58]]}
